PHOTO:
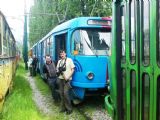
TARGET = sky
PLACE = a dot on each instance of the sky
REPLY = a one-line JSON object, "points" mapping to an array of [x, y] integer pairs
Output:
{"points": [[14, 13]]}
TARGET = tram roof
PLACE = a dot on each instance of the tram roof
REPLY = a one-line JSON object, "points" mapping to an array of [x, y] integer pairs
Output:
{"points": [[34, 45], [76, 22], [3, 16]]}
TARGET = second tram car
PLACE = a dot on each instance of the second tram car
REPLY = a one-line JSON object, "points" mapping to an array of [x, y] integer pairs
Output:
{"points": [[87, 41], [8, 60]]}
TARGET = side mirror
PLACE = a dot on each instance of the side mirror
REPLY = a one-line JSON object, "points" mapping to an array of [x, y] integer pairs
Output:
{"points": [[75, 52]]}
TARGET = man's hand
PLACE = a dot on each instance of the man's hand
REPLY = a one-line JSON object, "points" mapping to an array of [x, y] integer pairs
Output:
{"points": [[66, 78]]}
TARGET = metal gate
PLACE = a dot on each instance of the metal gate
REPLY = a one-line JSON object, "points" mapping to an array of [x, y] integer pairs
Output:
{"points": [[135, 61]]}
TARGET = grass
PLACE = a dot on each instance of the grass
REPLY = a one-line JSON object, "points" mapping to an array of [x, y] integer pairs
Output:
{"points": [[19, 104], [42, 86]]}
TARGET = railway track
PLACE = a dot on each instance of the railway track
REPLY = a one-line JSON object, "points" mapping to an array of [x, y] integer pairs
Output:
{"points": [[93, 108]]}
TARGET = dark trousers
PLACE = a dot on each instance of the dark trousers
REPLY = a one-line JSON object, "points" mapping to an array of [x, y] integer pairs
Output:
{"points": [[30, 71], [64, 88], [34, 70], [52, 81]]}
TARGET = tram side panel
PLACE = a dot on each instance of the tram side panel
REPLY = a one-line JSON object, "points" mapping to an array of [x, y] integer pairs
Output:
{"points": [[7, 60]]}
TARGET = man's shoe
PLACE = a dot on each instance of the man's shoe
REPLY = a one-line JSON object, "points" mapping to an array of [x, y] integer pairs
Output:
{"points": [[69, 112]]}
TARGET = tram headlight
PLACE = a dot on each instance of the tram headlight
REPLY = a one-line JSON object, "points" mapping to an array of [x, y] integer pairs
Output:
{"points": [[90, 75]]}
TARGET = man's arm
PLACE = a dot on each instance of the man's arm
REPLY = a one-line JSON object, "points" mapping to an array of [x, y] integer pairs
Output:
{"points": [[45, 71], [69, 76], [72, 70]]}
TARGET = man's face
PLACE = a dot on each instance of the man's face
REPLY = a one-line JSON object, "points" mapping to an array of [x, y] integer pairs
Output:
{"points": [[63, 55], [48, 62]]}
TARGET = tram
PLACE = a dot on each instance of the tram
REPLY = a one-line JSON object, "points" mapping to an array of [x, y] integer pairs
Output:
{"points": [[135, 61], [8, 58], [87, 42]]}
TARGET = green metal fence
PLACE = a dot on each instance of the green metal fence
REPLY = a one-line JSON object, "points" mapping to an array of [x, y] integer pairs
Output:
{"points": [[135, 61]]}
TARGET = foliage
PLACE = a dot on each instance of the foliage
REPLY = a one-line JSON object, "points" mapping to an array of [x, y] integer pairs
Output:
{"points": [[46, 14], [19, 105], [42, 86]]}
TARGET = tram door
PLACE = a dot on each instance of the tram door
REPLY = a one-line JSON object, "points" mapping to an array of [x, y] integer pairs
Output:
{"points": [[60, 42], [135, 61]]}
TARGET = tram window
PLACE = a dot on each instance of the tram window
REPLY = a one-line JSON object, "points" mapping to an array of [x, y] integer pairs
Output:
{"points": [[123, 34], [133, 95], [45, 45], [48, 46], [13, 48], [4, 31], [92, 41], [36, 50], [158, 99], [10, 45], [0, 45], [146, 36], [60, 44], [4, 39], [7, 41], [44, 48], [145, 96], [132, 34], [51, 46]]}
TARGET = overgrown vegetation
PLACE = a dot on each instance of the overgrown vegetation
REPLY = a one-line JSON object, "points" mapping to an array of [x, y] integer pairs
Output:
{"points": [[19, 104], [46, 14], [42, 86]]}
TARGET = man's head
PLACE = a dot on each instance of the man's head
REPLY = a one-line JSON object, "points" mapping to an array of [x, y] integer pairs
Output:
{"points": [[62, 54], [48, 59]]}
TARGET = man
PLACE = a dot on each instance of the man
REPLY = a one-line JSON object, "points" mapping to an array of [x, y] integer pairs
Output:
{"points": [[34, 64], [49, 71], [30, 65], [65, 68]]}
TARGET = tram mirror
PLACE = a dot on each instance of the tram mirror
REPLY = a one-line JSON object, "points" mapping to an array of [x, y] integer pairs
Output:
{"points": [[75, 52]]}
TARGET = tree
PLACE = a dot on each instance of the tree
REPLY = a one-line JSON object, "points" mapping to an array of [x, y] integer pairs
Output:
{"points": [[46, 14]]}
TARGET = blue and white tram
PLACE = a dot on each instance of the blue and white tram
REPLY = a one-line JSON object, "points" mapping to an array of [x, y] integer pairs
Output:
{"points": [[87, 41]]}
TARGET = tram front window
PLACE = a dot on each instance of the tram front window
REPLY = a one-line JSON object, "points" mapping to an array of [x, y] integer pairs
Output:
{"points": [[92, 41]]}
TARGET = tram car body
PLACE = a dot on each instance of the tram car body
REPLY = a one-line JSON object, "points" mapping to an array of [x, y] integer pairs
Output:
{"points": [[87, 42], [135, 74], [8, 59]]}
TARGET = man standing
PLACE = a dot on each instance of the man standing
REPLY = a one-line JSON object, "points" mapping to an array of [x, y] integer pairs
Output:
{"points": [[65, 68], [30, 65], [49, 71], [34, 65]]}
